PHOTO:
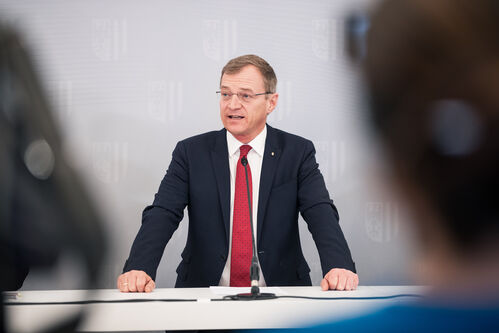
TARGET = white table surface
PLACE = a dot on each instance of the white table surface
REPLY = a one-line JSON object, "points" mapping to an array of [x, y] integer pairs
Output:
{"points": [[201, 314]]}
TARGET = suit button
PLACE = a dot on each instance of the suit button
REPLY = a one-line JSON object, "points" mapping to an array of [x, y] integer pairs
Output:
{"points": [[261, 252]]}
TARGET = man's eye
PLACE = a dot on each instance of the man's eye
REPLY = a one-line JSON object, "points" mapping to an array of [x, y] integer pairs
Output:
{"points": [[246, 96], [224, 94]]}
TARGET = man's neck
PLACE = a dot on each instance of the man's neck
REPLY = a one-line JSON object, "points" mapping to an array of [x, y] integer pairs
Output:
{"points": [[245, 138]]}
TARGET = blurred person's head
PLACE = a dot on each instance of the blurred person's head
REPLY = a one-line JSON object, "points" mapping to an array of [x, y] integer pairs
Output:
{"points": [[432, 72], [48, 223]]}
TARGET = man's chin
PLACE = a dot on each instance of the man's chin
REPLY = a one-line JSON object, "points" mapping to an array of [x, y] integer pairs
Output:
{"points": [[234, 130], [238, 134]]}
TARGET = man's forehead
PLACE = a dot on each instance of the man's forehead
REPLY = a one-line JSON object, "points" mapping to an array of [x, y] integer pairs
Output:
{"points": [[249, 77]]}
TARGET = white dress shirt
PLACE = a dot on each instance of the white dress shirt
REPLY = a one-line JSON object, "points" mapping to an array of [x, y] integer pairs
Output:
{"points": [[255, 159]]}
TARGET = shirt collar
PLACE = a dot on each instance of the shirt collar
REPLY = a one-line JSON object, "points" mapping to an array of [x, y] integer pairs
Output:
{"points": [[257, 144]]}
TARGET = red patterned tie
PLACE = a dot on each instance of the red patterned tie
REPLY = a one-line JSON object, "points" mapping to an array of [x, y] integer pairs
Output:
{"points": [[242, 248]]}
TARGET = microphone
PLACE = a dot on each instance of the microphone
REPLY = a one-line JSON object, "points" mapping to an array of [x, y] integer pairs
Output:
{"points": [[254, 270]]}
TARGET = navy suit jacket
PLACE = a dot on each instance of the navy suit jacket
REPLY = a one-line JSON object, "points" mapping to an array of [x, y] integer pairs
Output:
{"points": [[198, 177]]}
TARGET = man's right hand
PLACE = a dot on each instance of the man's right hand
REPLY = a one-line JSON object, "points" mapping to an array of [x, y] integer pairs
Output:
{"points": [[135, 281]]}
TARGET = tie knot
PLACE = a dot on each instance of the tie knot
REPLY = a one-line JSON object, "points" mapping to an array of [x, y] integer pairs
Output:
{"points": [[244, 149]]}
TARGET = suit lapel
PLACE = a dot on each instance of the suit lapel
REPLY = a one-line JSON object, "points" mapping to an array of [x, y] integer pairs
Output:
{"points": [[271, 158], [220, 162]]}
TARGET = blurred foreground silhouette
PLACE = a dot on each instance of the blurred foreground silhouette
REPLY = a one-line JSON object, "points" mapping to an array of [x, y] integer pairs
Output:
{"points": [[45, 214]]}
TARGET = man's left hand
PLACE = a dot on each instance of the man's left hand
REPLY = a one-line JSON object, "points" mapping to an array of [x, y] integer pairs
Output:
{"points": [[340, 279]]}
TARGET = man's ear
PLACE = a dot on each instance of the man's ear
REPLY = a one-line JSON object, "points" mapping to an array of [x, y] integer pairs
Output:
{"points": [[272, 103]]}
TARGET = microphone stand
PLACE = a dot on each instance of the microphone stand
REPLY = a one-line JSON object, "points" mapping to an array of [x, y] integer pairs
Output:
{"points": [[255, 293]]}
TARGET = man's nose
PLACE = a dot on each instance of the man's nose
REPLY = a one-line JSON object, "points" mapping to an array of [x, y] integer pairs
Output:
{"points": [[235, 103]]}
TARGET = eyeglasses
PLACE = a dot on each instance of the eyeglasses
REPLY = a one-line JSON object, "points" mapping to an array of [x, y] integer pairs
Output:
{"points": [[243, 97]]}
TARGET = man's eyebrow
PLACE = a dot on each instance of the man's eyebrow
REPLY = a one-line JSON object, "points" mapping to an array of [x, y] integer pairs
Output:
{"points": [[242, 89]]}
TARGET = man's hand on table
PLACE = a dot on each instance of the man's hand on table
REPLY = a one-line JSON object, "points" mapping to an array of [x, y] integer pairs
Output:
{"points": [[135, 281], [139, 281], [340, 279]]}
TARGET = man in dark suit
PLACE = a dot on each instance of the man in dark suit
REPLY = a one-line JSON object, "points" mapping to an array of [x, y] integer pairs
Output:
{"points": [[206, 174]]}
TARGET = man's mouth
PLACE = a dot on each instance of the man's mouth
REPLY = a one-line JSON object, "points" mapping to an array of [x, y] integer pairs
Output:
{"points": [[236, 117]]}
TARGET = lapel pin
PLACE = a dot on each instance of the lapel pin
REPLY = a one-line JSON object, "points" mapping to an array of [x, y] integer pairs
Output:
{"points": [[272, 153]]}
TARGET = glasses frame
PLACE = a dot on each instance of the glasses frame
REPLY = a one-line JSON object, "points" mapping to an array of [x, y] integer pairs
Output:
{"points": [[219, 93]]}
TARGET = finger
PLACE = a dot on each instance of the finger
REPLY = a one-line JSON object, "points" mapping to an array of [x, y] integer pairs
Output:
{"points": [[355, 282], [118, 281], [324, 284], [132, 283], [123, 283], [150, 286], [333, 281], [349, 284], [124, 287], [342, 281], [141, 282]]}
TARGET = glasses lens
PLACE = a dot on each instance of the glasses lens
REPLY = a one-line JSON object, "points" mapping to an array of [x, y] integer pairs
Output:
{"points": [[244, 97], [223, 95]]}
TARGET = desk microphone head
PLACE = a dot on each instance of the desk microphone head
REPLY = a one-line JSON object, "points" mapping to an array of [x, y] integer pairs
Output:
{"points": [[244, 161]]}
